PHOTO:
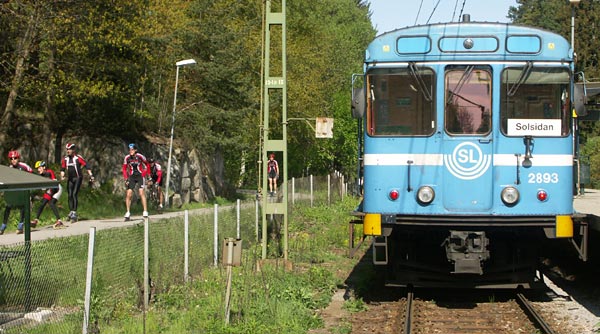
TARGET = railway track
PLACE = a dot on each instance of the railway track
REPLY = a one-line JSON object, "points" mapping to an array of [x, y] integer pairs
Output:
{"points": [[454, 316]]}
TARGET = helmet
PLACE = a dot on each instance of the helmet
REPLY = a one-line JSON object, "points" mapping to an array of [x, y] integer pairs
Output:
{"points": [[14, 154], [70, 146], [151, 160], [132, 146], [40, 163]]}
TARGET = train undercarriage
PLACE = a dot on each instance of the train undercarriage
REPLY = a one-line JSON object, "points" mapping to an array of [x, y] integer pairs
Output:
{"points": [[467, 252]]}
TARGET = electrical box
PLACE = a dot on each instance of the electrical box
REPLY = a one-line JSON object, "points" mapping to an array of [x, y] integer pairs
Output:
{"points": [[235, 246]]}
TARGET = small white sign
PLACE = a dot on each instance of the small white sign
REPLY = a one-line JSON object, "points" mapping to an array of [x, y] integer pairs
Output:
{"points": [[534, 127]]}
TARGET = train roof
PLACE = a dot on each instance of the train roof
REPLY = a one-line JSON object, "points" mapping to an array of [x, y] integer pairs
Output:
{"points": [[451, 41]]}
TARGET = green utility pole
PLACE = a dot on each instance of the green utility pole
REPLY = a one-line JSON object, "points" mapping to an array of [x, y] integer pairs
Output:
{"points": [[274, 85]]}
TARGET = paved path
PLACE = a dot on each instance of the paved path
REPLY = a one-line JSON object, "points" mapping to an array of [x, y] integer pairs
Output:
{"points": [[83, 227]]}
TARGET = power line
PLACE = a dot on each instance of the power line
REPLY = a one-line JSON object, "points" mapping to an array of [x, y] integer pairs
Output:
{"points": [[416, 18], [461, 10], [454, 12], [433, 11]]}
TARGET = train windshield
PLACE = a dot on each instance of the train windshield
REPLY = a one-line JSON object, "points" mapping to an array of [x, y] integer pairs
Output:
{"points": [[535, 101], [400, 102], [468, 100]]}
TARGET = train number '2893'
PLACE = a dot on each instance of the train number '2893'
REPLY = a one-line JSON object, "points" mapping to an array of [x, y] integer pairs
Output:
{"points": [[542, 177]]}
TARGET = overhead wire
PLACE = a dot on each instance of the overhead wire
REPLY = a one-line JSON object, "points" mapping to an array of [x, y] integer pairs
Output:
{"points": [[461, 10], [454, 12], [433, 11], [419, 12]]}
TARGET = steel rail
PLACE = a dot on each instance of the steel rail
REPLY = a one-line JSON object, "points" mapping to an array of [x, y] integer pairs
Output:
{"points": [[408, 314], [533, 314]]}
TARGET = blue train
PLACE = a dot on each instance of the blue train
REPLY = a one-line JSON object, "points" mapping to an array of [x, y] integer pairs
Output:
{"points": [[467, 152]]}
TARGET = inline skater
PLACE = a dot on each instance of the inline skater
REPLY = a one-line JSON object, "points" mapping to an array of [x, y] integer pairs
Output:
{"points": [[51, 195], [135, 169], [72, 166], [157, 180]]}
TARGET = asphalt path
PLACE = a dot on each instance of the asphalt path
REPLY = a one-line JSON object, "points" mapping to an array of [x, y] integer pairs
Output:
{"points": [[83, 226]]}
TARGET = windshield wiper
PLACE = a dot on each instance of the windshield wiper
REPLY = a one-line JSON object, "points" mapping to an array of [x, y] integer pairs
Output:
{"points": [[522, 78], [461, 82], [414, 71]]}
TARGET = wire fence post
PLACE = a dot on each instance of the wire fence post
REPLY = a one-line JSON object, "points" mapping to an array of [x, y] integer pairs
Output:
{"points": [[311, 190], [186, 246], [328, 189], [256, 217], [293, 190], [88, 280], [216, 235], [237, 221], [146, 284]]}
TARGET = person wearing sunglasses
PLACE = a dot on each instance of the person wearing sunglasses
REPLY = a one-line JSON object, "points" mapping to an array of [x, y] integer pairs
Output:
{"points": [[14, 158]]}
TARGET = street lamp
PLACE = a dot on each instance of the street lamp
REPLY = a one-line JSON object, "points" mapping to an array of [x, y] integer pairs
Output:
{"points": [[178, 65]]}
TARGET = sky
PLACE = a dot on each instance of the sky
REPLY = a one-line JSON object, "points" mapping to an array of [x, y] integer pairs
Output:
{"points": [[393, 14]]}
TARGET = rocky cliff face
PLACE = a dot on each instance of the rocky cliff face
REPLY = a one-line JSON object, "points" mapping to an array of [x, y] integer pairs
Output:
{"points": [[192, 176]]}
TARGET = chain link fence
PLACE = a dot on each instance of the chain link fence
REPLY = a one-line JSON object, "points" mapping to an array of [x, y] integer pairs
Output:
{"points": [[43, 283]]}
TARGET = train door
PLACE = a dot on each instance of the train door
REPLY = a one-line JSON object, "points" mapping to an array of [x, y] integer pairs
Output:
{"points": [[467, 144]]}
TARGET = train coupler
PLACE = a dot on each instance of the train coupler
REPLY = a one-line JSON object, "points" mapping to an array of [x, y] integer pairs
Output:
{"points": [[467, 250]]}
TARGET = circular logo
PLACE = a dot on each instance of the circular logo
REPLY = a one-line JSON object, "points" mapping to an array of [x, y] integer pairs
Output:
{"points": [[467, 162]]}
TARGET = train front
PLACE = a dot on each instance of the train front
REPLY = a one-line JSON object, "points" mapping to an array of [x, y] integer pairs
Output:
{"points": [[467, 152]]}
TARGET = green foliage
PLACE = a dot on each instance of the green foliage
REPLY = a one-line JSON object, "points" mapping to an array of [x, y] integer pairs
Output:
{"points": [[591, 150], [355, 305], [108, 69]]}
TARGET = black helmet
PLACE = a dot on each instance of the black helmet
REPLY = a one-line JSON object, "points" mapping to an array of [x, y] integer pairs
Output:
{"points": [[151, 160]]}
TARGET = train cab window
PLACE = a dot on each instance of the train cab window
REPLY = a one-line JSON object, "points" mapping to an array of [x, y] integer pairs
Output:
{"points": [[468, 102], [537, 96], [400, 102]]}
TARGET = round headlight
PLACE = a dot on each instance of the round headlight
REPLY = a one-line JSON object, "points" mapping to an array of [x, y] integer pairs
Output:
{"points": [[510, 195], [425, 194]]}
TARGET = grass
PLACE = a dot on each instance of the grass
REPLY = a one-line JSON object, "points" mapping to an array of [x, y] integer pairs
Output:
{"points": [[274, 299]]}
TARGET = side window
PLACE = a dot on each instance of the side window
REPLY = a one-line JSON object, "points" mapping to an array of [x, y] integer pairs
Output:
{"points": [[535, 98], [400, 102], [468, 105]]}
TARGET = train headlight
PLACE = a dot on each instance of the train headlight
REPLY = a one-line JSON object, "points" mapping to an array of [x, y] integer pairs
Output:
{"points": [[510, 195], [542, 195], [425, 194], [394, 194]]}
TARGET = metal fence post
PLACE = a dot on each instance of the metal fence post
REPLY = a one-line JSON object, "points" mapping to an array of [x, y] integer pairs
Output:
{"points": [[88, 280], [216, 235], [328, 189], [238, 219], [146, 264], [186, 250], [256, 219], [311, 190]]}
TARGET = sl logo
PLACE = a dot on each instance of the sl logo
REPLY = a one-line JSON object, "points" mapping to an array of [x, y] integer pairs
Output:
{"points": [[467, 162]]}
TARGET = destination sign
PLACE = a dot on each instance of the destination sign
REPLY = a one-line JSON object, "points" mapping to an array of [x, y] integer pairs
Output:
{"points": [[534, 127]]}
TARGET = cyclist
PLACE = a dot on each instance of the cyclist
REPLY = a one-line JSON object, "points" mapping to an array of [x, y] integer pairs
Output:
{"points": [[135, 169], [72, 166], [51, 195], [157, 180], [14, 157]]}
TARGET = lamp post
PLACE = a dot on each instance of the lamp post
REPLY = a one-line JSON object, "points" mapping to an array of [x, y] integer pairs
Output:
{"points": [[178, 65]]}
